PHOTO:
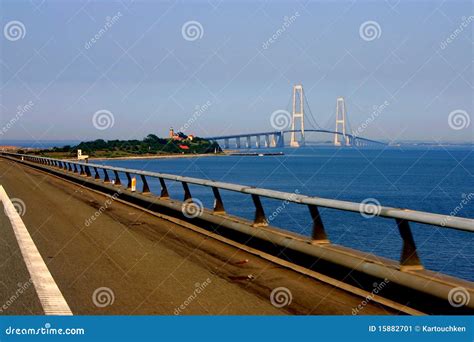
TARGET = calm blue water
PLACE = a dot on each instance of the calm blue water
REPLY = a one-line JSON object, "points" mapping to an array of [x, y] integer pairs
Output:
{"points": [[433, 180]]}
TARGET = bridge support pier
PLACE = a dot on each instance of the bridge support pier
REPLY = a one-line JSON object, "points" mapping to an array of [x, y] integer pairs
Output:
{"points": [[267, 140], [249, 142], [237, 142], [226, 143], [257, 141], [273, 142], [281, 140]]}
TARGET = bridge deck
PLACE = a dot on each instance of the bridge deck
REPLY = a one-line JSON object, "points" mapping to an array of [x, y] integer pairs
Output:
{"points": [[151, 264]]}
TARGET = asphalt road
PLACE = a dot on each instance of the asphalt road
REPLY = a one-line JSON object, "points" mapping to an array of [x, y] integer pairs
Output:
{"points": [[141, 264]]}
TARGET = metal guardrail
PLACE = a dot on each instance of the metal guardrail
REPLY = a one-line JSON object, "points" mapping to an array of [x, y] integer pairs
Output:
{"points": [[409, 257]]}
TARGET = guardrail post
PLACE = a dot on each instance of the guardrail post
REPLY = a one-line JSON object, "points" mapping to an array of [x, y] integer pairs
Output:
{"points": [[75, 168], [409, 257], [96, 176], [106, 176], [82, 173], [260, 218], [187, 193], [88, 171], [117, 179], [129, 181], [146, 188], [218, 204], [319, 233], [164, 189]]}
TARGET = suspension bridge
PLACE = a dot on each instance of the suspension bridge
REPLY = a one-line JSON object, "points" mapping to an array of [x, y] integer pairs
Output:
{"points": [[294, 124]]}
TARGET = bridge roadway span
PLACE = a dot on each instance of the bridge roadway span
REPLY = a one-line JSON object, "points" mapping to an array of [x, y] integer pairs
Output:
{"points": [[276, 138], [152, 265]]}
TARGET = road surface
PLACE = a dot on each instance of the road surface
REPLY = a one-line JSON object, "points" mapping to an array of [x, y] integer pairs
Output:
{"points": [[146, 265]]}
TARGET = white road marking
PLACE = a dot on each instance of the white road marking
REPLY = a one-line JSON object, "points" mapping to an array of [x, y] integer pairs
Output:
{"points": [[50, 296]]}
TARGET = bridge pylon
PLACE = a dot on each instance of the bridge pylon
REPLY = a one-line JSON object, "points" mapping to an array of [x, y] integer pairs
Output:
{"points": [[297, 114], [341, 124]]}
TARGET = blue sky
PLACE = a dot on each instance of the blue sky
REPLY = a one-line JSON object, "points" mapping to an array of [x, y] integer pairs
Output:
{"points": [[144, 72]]}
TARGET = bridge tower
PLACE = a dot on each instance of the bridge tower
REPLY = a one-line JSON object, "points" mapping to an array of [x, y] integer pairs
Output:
{"points": [[298, 113], [341, 124]]}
